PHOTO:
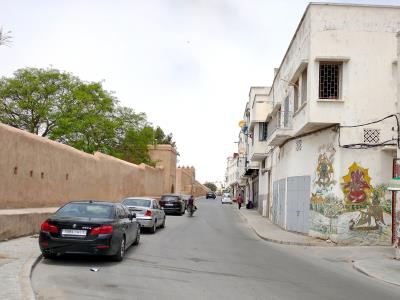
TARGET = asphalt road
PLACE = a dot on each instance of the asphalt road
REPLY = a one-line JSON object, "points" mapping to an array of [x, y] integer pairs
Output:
{"points": [[213, 255]]}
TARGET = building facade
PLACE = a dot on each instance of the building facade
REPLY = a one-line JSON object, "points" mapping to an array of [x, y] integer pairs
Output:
{"points": [[321, 148]]}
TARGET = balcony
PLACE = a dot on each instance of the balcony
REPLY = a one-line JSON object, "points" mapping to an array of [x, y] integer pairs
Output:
{"points": [[259, 112], [280, 128], [259, 105], [258, 151]]}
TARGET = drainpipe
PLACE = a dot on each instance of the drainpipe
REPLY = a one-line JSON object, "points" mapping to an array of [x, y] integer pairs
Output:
{"points": [[395, 209]]}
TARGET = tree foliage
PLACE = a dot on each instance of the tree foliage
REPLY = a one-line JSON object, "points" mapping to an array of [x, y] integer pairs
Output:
{"points": [[211, 186], [5, 37], [81, 114]]}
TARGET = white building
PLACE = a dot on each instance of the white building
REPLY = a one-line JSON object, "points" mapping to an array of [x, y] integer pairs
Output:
{"points": [[330, 133]]}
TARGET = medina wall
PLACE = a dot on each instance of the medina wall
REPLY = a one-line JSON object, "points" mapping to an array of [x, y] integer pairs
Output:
{"points": [[165, 157], [37, 172], [186, 183]]}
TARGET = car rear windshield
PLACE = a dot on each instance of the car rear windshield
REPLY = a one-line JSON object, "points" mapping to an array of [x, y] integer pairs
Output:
{"points": [[137, 202], [227, 195], [169, 198], [86, 210]]}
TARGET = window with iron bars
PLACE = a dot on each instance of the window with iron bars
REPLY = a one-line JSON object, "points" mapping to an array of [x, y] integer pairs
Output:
{"points": [[263, 131], [329, 80]]}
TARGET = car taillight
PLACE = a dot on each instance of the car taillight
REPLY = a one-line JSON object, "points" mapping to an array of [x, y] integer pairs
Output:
{"points": [[148, 213], [106, 229], [46, 227]]}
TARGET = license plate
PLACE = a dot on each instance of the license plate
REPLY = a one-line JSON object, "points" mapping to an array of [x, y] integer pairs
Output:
{"points": [[73, 232], [169, 204]]}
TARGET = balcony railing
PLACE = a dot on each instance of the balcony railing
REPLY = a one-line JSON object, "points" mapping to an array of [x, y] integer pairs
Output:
{"points": [[281, 120]]}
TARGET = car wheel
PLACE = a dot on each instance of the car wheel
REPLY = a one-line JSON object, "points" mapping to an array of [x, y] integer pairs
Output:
{"points": [[154, 228], [49, 255], [119, 256], [137, 240], [163, 223]]}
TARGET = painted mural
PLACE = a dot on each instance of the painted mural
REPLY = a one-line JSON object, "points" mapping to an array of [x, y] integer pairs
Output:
{"points": [[359, 214]]}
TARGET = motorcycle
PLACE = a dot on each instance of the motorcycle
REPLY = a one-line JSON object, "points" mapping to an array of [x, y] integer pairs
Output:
{"points": [[191, 210]]}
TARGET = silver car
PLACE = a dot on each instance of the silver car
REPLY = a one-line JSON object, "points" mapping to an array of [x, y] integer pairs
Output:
{"points": [[148, 212]]}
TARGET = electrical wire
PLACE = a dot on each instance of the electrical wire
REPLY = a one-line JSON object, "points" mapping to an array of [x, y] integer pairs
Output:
{"points": [[367, 146]]}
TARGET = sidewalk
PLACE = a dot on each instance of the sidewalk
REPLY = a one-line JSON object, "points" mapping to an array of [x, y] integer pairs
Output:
{"points": [[376, 262], [17, 257]]}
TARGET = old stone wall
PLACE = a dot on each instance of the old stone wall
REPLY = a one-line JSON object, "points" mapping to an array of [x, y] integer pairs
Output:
{"points": [[165, 157], [37, 172], [187, 184]]}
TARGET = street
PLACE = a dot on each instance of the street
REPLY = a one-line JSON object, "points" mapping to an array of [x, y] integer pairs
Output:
{"points": [[213, 255]]}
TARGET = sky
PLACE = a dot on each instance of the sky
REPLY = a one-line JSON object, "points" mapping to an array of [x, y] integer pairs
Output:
{"points": [[187, 64]]}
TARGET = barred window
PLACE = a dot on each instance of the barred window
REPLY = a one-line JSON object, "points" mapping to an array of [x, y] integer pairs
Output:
{"points": [[263, 131], [296, 95], [329, 80], [304, 86]]}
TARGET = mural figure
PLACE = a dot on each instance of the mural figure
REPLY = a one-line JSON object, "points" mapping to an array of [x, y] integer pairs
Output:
{"points": [[356, 186], [374, 212], [324, 171]]}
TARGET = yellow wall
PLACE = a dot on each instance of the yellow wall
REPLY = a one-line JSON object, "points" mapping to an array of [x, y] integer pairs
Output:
{"points": [[37, 172]]}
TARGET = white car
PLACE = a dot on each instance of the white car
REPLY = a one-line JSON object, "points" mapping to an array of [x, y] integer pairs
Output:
{"points": [[226, 198], [148, 212]]}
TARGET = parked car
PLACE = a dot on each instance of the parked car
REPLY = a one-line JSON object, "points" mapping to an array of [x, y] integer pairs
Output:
{"points": [[226, 198], [89, 227], [172, 203], [148, 212], [211, 195]]}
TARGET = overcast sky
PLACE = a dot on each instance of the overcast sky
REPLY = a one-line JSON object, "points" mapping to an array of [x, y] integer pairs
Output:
{"points": [[187, 64]]}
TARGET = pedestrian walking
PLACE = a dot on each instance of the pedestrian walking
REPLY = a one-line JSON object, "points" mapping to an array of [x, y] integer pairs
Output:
{"points": [[239, 201]]}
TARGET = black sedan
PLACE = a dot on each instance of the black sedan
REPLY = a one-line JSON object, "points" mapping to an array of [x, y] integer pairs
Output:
{"points": [[89, 227], [211, 195], [172, 203]]}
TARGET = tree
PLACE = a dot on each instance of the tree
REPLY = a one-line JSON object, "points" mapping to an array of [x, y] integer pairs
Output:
{"points": [[161, 138], [134, 147], [60, 106], [211, 186], [5, 37]]}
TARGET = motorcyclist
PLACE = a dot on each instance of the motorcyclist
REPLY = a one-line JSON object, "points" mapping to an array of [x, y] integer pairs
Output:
{"points": [[191, 202]]}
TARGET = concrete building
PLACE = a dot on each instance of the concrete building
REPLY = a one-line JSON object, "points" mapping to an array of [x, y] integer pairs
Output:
{"points": [[330, 131], [252, 139]]}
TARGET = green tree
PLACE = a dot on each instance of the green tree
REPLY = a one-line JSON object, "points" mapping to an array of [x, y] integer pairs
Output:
{"points": [[211, 186], [134, 147], [5, 37], [161, 138], [60, 106]]}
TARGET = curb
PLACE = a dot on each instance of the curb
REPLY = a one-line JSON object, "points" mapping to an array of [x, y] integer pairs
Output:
{"points": [[358, 268], [289, 243], [285, 242], [25, 274]]}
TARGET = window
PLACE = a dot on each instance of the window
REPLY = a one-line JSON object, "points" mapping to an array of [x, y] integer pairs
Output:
{"points": [[296, 95], [263, 131], [304, 86], [329, 80], [136, 202], [86, 210]]}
